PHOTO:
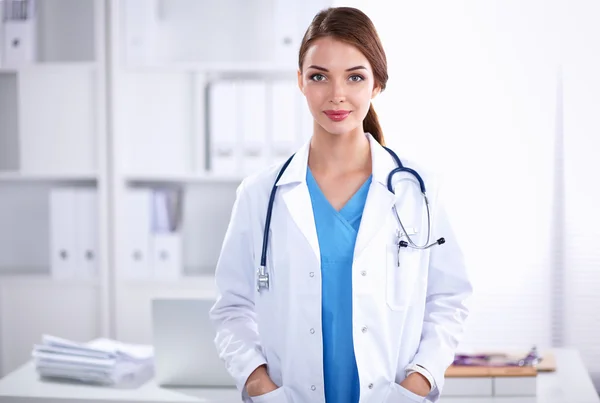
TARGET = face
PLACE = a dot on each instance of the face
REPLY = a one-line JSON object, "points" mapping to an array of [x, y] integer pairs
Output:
{"points": [[338, 83]]}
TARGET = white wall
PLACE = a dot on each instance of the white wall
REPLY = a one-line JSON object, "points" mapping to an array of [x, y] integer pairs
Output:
{"points": [[476, 92]]}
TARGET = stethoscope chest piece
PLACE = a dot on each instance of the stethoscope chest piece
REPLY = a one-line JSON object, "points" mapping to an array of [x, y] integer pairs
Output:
{"points": [[262, 279]]}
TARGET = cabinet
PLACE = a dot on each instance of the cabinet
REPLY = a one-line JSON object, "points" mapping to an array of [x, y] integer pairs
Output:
{"points": [[53, 175], [204, 94], [117, 107]]}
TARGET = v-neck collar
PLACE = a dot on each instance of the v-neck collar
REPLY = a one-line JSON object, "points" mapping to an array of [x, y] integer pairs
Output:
{"points": [[349, 210]]}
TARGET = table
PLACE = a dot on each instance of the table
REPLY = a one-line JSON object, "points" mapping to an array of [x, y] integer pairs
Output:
{"points": [[570, 383]]}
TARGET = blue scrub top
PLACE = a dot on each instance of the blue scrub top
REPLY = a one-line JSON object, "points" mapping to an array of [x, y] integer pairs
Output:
{"points": [[337, 231]]}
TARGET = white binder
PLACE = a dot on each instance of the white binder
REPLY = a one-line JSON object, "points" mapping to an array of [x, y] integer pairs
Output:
{"points": [[165, 240], [166, 255], [252, 98], [140, 32], [62, 204], [19, 43], [86, 233], [287, 35], [284, 122], [1, 35], [136, 250], [223, 129]]}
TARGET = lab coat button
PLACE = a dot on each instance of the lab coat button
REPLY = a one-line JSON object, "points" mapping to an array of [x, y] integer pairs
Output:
{"points": [[370, 386], [312, 331], [363, 273], [312, 274], [364, 329], [313, 388]]}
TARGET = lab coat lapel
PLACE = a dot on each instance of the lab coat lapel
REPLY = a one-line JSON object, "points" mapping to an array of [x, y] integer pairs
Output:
{"points": [[296, 197], [377, 210], [379, 203]]}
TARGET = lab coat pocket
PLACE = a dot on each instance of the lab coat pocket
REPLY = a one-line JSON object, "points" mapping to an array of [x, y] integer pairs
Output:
{"points": [[399, 394], [403, 267], [276, 396]]}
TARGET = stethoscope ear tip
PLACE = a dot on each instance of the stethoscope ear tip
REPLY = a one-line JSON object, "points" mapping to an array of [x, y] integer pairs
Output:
{"points": [[441, 241]]}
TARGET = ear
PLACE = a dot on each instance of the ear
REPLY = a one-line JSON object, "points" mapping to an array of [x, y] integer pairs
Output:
{"points": [[300, 83], [376, 91]]}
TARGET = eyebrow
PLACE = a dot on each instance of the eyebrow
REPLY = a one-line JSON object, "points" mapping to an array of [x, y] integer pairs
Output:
{"points": [[324, 69]]}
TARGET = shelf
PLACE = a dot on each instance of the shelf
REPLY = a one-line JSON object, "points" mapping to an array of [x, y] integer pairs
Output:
{"points": [[181, 178], [51, 66], [220, 69], [198, 286], [18, 177], [39, 280]]}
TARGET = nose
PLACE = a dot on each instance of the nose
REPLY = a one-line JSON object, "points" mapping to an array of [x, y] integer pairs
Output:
{"points": [[338, 94]]}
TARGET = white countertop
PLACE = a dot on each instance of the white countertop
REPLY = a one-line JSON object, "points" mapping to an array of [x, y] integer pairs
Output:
{"points": [[571, 383]]}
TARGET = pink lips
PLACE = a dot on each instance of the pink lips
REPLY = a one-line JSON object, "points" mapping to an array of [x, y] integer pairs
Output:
{"points": [[337, 115]]}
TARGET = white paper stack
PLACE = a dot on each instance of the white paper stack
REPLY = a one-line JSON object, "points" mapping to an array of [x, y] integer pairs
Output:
{"points": [[101, 361]]}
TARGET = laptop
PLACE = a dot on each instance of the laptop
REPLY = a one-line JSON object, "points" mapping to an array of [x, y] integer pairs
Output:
{"points": [[184, 351]]}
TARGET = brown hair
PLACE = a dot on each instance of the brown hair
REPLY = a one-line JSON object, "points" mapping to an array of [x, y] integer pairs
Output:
{"points": [[354, 27]]}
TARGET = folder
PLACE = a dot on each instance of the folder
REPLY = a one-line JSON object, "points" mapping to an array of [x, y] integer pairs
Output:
{"points": [[86, 233], [252, 106], [1, 35], [138, 205], [284, 119], [223, 125], [62, 205], [287, 37], [19, 42], [165, 240], [167, 255], [140, 32]]}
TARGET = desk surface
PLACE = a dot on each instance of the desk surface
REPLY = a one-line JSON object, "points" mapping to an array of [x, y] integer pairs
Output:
{"points": [[570, 383]]}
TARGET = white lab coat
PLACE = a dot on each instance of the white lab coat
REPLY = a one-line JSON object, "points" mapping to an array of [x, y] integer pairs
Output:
{"points": [[413, 313]]}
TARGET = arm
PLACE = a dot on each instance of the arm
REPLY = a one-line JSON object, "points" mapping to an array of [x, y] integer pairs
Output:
{"points": [[448, 289], [237, 339]]}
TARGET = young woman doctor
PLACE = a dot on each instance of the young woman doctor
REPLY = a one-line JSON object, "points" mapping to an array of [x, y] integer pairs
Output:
{"points": [[346, 309]]}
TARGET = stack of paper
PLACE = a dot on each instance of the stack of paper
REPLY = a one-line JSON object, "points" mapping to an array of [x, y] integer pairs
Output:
{"points": [[101, 361]]}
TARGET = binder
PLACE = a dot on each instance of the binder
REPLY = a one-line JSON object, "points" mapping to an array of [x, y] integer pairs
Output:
{"points": [[252, 97], [166, 255], [19, 42], [284, 119], [1, 35], [86, 233], [286, 38], [136, 251], [140, 32], [223, 129], [165, 241], [62, 204]]}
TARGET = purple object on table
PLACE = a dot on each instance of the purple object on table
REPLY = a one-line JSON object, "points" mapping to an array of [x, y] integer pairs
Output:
{"points": [[498, 360]]}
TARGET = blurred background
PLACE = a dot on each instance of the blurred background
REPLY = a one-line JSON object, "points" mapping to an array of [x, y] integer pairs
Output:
{"points": [[126, 126]]}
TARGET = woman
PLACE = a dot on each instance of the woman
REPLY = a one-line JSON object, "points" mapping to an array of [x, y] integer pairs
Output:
{"points": [[349, 313]]}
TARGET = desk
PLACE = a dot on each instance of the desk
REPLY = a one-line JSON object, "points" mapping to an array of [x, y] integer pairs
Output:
{"points": [[569, 384]]}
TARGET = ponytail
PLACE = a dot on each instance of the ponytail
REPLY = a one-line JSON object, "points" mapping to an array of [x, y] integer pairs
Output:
{"points": [[371, 125]]}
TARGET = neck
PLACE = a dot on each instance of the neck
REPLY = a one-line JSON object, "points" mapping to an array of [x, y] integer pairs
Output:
{"points": [[339, 154]]}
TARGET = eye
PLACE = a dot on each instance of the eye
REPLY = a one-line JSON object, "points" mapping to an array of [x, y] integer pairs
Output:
{"points": [[317, 77], [356, 78]]}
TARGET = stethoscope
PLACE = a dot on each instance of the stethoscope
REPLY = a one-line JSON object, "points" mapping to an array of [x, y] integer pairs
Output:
{"points": [[262, 281]]}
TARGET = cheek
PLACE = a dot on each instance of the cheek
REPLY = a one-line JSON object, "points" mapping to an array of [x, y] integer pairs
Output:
{"points": [[315, 97], [361, 100]]}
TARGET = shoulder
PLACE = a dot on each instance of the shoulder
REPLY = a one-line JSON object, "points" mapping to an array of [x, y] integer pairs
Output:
{"points": [[431, 175], [257, 187]]}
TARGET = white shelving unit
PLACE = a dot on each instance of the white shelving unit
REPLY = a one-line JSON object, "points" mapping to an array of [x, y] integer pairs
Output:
{"points": [[53, 137], [118, 102], [165, 59]]}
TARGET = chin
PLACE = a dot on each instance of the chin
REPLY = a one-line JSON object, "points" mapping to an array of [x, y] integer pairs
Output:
{"points": [[340, 128]]}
